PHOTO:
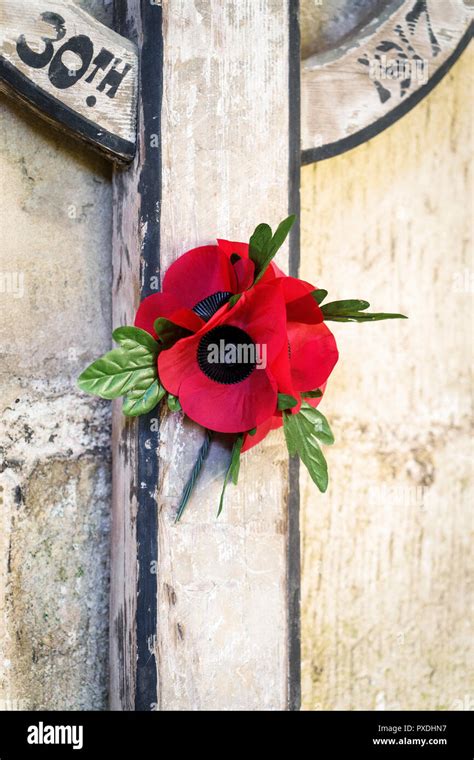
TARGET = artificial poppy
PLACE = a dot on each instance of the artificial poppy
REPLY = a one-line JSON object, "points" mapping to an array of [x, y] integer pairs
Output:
{"points": [[223, 373], [244, 366], [309, 356], [196, 285]]}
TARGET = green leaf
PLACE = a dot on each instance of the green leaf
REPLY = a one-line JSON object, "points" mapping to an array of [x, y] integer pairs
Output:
{"points": [[233, 469], [302, 432], [253, 431], [281, 234], [312, 394], [354, 311], [317, 422], [143, 400], [368, 317], [168, 332], [274, 245], [119, 371], [132, 367], [319, 295], [235, 460], [173, 403], [195, 472], [341, 308], [264, 246], [128, 336], [286, 402], [259, 243], [233, 300]]}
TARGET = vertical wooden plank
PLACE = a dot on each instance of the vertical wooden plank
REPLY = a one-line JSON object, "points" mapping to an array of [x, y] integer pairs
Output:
{"points": [[137, 193], [200, 610], [294, 538]]}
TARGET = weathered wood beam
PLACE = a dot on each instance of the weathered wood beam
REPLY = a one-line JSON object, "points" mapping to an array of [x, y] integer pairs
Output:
{"points": [[72, 70], [78, 74], [205, 614], [379, 72]]}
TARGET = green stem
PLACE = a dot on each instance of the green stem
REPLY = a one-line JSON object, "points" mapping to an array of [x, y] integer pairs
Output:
{"points": [[188, 488]]}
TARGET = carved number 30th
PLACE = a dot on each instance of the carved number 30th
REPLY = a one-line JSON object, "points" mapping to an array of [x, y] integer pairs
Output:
{"points": [[62, 76]]}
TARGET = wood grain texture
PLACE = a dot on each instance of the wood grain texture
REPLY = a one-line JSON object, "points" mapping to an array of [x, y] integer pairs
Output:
{"points": [[73, 70], [387, 573], [377, 72], [221, 638], [222, 584]]}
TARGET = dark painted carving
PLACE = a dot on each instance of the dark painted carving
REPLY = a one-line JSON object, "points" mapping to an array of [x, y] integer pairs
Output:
{"points": [[60, 75], [405, 66]]}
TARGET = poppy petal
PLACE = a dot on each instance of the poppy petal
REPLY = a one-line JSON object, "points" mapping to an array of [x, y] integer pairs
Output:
{"points": [[229, 408], [198, 274], [245, 273], [242, 250], [165, 305], [275, 271], [300, 304], [261, 314], [316, 401], [313, 354], [281, 371], [226, 408], [294, 288], [176, 362], [275, 422], [229, 247]]}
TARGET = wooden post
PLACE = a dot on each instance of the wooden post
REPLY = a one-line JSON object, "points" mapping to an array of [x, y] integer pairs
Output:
{"points": [[201, 610]]}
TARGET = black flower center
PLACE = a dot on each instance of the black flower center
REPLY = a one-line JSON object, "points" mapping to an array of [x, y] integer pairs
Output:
{"points": [[208, 306], [227, 355]]}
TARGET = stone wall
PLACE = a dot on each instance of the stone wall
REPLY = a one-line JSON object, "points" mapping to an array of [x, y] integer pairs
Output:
{"points": [[55, 285], [387, 572]]}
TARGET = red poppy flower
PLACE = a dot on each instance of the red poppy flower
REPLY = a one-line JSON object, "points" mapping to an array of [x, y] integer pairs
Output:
{"points": [[233, 396], [222, 374], [309, 356], [196, 285], [311, 347]]}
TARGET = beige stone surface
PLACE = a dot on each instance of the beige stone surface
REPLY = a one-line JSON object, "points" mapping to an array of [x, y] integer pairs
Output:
{"points": [[55, 284], [387, 567]]}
